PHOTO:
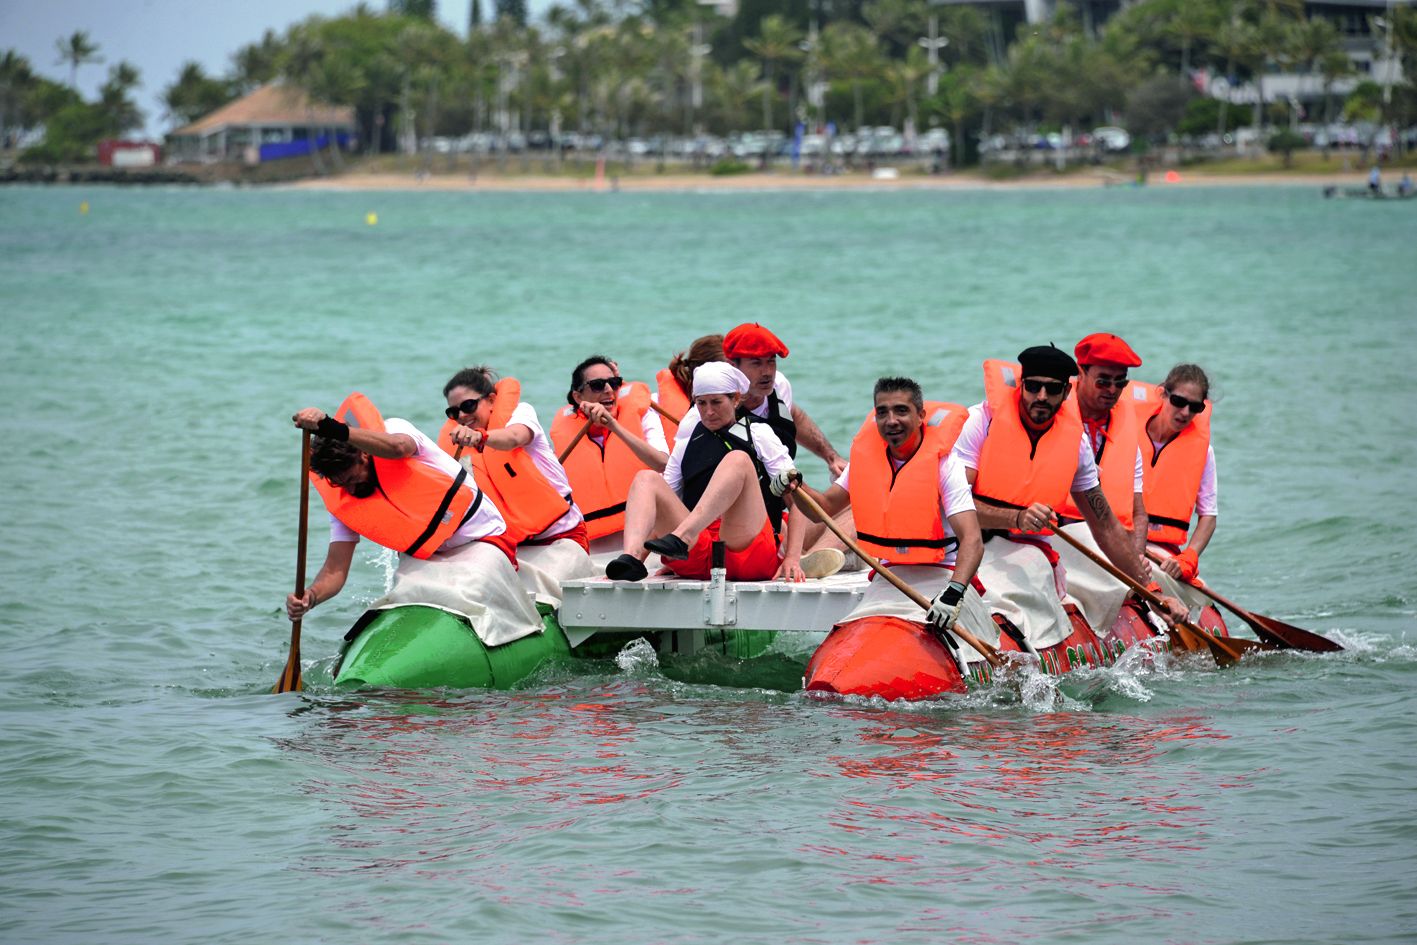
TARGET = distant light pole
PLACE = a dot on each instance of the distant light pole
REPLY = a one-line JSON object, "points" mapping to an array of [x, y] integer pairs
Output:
{"points": [[933, 44], [697, 51]]}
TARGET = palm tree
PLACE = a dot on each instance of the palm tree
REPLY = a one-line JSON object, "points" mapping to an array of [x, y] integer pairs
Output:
{"points": [[905, 77], [778, 41], [77, 50], [16, 77], [852, 52]]}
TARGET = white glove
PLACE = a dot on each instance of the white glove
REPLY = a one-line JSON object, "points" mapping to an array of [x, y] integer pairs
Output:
{"points": [[780, 482], [944, 609]]}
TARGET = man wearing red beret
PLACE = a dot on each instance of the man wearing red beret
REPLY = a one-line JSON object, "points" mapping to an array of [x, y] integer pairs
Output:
{"points": [[1111, 429], [754, 350]]}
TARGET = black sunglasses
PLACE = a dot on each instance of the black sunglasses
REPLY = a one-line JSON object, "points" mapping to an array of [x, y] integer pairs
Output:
{"points": [[1107, 383], [467, 406], [600, 383], [1053, 388], [1196, 406]]}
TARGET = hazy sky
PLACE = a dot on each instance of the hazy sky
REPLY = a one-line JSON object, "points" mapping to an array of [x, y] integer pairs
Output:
{"points": [[158, 36]]}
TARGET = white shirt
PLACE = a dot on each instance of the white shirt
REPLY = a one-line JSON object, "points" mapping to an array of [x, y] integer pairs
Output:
{"points": [[543, 457], [485, 522], [769, 448], [976, 429], [1208, 493], [955, 494], [781, 386]]}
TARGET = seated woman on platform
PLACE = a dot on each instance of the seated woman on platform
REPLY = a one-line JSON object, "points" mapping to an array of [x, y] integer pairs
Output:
{"points": [[675, 383], [1180, 470], [725, 482], [622, 436]]}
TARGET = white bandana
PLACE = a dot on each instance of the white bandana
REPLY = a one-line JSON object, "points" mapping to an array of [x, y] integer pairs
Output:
{"points": [[719, 377]]}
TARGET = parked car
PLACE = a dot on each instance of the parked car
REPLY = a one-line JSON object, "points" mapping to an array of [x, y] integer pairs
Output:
{"points": [[1111, 138]]}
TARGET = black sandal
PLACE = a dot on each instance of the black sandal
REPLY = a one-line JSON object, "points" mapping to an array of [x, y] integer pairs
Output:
{"points": [[669, 547], [626, 568]]}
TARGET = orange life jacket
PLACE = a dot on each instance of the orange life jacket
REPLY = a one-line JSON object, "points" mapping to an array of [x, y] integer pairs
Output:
{"points": [[1014, 472], [1117, 464], [527, 499], [673, 399], [1172, 474], [600, 475], [897, 511], [415, 507]]}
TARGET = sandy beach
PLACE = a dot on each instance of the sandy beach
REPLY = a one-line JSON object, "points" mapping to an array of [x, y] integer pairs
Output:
{"points": [[776, 181]]}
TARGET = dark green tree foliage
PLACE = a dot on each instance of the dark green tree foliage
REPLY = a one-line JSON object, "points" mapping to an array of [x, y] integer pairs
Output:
{"points": [[1157, 105], [194, 94], [417, 9], [474, 16], [513, 10]]}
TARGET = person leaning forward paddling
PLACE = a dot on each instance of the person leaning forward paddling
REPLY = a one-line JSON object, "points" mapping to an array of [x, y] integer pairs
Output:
{"points": [[530, 485], [388, 482], [728, 480], [624, 437], [1023, 459], [913, 508], [1175, 445], [1110, 426]]}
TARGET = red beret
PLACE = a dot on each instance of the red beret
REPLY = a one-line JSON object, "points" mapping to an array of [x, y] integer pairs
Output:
{"points": [[751, 340], [1106, 348]]}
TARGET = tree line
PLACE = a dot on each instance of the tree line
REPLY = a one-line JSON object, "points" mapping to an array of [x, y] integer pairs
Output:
{"points": [[620, 68]]}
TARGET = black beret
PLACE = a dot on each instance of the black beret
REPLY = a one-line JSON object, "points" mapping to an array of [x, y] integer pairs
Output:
{"points": [[1047, 361]]}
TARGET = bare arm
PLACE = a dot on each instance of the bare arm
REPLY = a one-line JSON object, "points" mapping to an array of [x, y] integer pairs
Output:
{"points": [[1140, 523], [1111, 537], [971, 546], [1204, 531], [790, 569], [328, 583], [811, 436], [833, 501], [383, 445], [601, 416], [998, 518]]}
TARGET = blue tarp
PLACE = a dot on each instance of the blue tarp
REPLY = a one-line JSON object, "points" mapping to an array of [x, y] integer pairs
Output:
{"points": [[276, 150]]}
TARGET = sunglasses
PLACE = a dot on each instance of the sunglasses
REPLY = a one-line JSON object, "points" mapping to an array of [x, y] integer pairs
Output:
{"points": [[1052, 388], [1109, 383], [600, 383], [1177, 401], [467, 406]]}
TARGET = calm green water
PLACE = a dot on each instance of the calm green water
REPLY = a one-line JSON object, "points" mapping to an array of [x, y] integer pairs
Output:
{"points": [[154, 350]]}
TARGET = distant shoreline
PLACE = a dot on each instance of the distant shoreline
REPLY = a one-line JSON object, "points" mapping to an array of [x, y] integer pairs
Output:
{"points": [[671, 183]]}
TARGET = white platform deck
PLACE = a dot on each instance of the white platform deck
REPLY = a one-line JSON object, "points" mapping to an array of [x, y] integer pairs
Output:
{"points": [[686, 607]]}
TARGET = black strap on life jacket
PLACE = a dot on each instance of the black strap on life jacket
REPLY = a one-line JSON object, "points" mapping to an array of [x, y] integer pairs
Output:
{"points": [[437, 518], [946, 543], [706, 450]]}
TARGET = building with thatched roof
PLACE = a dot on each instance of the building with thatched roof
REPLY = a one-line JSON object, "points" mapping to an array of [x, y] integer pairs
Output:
{"points": [[275, 121]]}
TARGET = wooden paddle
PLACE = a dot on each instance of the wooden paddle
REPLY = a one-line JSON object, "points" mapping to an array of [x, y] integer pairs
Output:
{"points": [[984, 649], [1267, 628], [1226, 650], [290, 680], [665, 413]]}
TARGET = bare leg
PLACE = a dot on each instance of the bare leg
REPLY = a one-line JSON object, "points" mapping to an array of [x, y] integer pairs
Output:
{"points": [[733, 496], [651, 510], [817, 535]]}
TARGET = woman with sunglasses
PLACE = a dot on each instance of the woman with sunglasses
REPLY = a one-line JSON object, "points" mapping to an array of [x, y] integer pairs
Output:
{"points": [[511, 457], [624, 437], [1180, 470]]}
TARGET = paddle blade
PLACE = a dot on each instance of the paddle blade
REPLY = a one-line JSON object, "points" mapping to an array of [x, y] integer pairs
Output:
{"points": [[1289, 635], [290, 680]]}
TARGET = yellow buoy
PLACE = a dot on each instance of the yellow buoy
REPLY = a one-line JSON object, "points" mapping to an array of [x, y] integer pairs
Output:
{"points": [[84, 208], [371, 218]]}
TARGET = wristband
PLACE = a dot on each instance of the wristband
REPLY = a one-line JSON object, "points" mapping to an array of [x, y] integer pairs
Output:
{"points": [[953, 594], [1018, 520], [481, 442], [332, 429]]}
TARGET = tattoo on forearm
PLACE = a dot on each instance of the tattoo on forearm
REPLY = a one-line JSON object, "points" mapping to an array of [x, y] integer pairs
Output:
{"points": [[1097, 502]]}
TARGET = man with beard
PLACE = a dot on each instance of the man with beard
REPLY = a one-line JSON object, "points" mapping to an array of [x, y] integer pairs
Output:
{"points": [[1111, 426], [1023, 459], [387, 481]]}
